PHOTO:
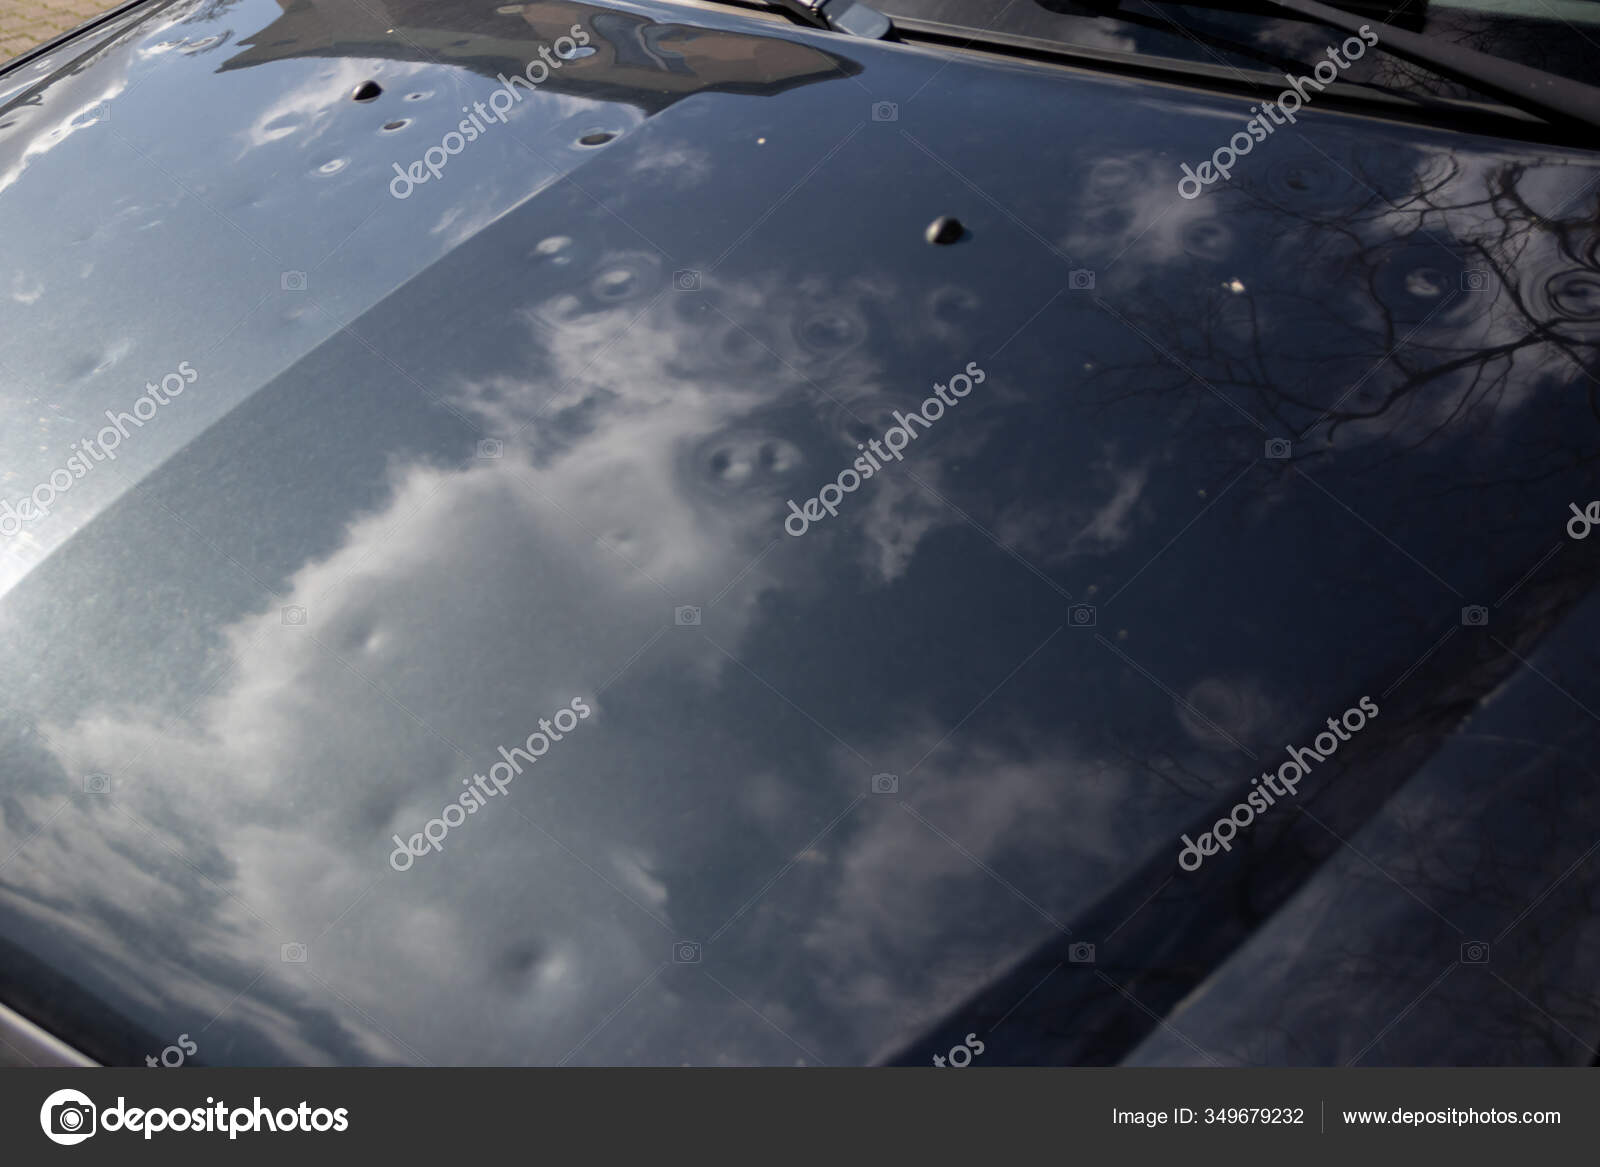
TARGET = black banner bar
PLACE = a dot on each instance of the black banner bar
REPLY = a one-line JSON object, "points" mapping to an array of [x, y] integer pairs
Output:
{"points": [[195, 1115]]}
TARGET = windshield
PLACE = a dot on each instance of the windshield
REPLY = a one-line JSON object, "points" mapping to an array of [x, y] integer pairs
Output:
{"points": [[1559, 36]]}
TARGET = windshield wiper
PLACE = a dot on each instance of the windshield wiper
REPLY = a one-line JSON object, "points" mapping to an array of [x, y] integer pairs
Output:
{"points": [[1554, 98], [847, 16], [1547, 95]]}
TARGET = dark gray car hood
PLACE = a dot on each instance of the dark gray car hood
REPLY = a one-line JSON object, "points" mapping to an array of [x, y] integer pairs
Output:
{"points": [[451, 461]]}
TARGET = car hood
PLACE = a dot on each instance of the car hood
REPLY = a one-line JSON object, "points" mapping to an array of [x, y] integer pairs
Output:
{"points": [[444, 457]]}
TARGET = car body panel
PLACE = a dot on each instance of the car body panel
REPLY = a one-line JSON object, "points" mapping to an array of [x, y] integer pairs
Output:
{"points": [[307, 602]]}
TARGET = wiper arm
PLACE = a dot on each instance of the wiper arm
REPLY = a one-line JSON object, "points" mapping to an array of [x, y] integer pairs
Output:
{"points": [[847, 16], [1552, 97]]}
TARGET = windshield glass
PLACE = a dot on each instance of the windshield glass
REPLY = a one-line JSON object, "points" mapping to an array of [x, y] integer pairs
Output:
{"points": [[1559, 36]]}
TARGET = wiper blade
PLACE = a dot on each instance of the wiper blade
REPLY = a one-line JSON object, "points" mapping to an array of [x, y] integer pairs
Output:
{"points": [[1552, 97], [847, 16]]}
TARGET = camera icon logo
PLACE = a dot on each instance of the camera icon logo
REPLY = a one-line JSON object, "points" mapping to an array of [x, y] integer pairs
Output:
{"points": [[1474, 281], [1475, 616], [293, 281], [1279, 449], [1081, 953], [292, 953], [97, 784], [67, 1117], [687, 616], [294, 616], [491, 448], [1080, 279], [1475, 952], [1082, 615], [886, 784], [885, 111], [686, 952], [686, 281]]}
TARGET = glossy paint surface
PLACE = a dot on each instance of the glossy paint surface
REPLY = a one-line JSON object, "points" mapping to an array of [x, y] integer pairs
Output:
{"points": [[527, 437]]}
